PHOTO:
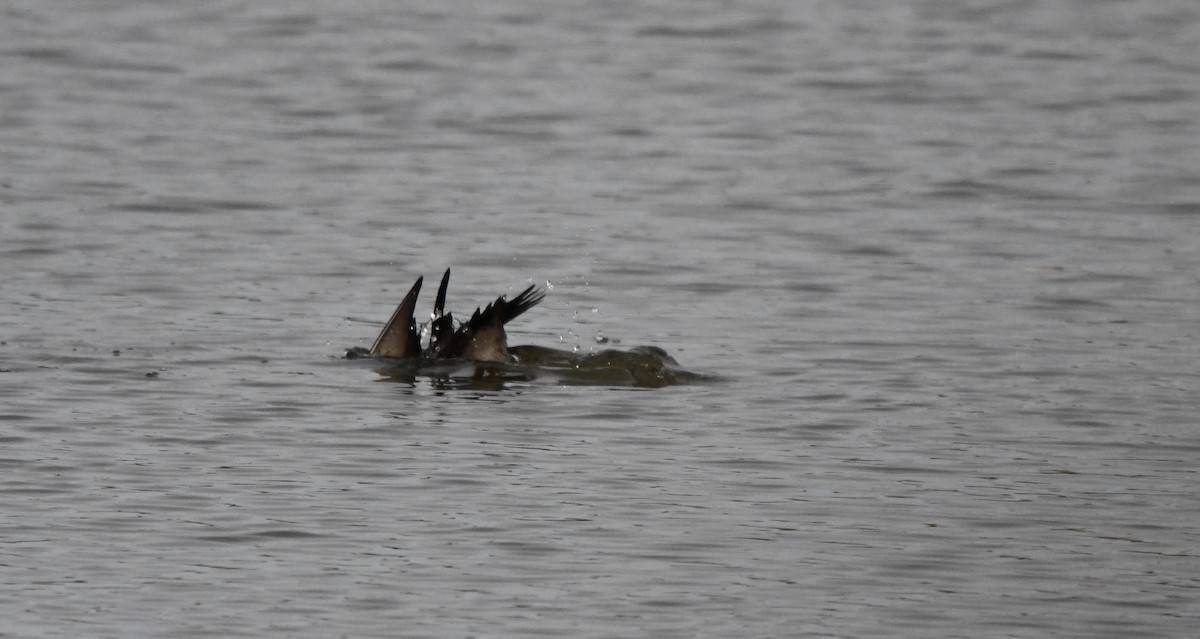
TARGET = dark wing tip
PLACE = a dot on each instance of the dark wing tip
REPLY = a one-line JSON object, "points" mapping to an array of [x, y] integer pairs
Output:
{"points": [[442, 324], [396, 338], [439, 304]]}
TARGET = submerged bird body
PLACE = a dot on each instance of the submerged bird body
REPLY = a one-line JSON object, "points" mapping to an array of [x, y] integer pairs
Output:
{"points": [[480, 339]]}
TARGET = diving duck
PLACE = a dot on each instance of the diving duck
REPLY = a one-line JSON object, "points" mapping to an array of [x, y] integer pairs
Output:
{"points": [[479, 339]]}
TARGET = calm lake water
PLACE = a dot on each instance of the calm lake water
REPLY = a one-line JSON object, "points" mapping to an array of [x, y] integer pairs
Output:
{"points": [[939, 263]]}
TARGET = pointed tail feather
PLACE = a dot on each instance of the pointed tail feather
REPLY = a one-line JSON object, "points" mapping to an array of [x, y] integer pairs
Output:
{"points": [[528, 298], [503, 311], [483, 336]]}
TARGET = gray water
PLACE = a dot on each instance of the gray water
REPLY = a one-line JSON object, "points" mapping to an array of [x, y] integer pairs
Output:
{"points": [[938, 261]]}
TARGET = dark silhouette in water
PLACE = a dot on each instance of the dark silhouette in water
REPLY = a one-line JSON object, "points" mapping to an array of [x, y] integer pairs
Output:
{"points": [[481, 346], [399, 336], [479, 339]]}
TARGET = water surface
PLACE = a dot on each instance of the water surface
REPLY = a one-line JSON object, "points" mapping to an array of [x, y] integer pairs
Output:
{"points": [[941, 259]]}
